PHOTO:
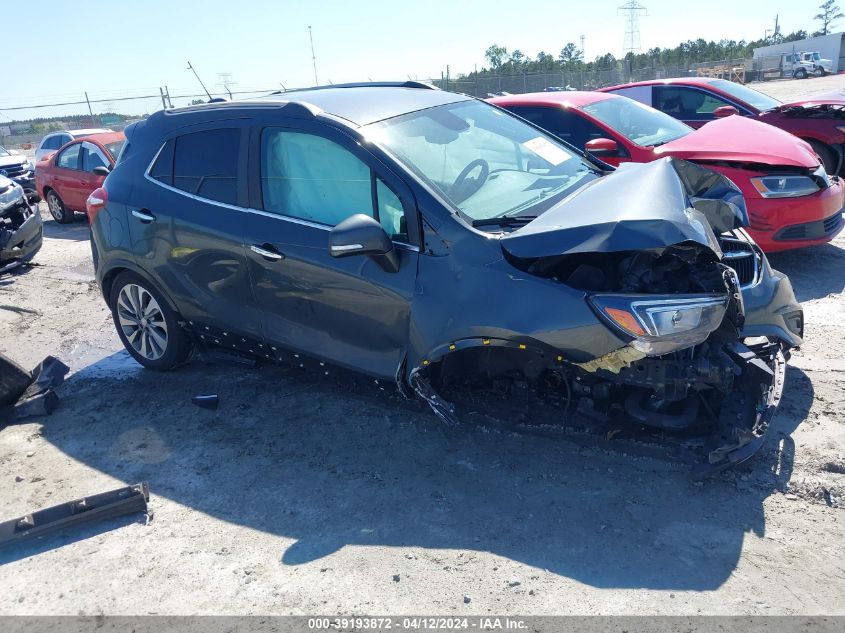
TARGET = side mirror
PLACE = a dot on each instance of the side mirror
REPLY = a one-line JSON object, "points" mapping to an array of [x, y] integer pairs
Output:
{"points": [[362, 235], [602, 147], [102, 170], [723, 111]]}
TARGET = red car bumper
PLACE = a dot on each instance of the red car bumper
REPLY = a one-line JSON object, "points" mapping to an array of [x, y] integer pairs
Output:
{"points": [[779, 224]]}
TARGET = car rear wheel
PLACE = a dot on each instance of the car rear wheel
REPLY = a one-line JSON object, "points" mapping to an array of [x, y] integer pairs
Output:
{"points": [[830, 159], [148, 328], [800, 74], [60, 213]]}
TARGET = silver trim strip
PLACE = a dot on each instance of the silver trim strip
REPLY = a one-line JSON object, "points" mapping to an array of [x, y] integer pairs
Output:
{"points": [[347, 247], [144, 217], [265, 253], [233, 207]]}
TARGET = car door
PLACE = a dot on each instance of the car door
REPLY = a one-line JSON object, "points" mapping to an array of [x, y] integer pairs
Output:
{"points": [[305, 178], [692, 105], [67, 173], [186, 219]]}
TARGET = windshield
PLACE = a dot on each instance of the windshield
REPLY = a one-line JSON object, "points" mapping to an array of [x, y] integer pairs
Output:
{"points": [[114, 148], [743, 93], [637, 122], [817, 56], [485, 162]]}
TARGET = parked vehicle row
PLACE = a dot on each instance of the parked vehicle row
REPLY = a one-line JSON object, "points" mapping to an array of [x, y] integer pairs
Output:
{"points": [[791, 200], [20, 170], [429, 238]]}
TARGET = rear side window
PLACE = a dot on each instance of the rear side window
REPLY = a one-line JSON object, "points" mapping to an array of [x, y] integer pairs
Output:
{"points": [[69, 159], [206, 164], [52, 142], [687, 103]]}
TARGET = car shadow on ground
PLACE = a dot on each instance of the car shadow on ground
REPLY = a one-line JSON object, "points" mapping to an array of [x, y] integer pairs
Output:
{"points": [[339, 460], [77, 230], [815, 272]]}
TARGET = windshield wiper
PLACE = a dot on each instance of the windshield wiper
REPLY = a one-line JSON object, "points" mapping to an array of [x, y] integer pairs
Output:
{"points": [[505, 220]]}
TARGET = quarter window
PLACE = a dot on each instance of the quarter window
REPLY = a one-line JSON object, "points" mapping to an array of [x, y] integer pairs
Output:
{"points": [[312, 178], [69, 158], [162, 170]]}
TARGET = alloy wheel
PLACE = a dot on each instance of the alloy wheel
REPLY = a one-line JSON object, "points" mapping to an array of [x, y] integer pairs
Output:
{"points": [[142, 321], [55, 207]]}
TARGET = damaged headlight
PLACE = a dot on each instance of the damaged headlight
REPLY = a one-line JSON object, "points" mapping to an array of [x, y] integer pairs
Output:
{"points": [[659, 325], [784, 186]]}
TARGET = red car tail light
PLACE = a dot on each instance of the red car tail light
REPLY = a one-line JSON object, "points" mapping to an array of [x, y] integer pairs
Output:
{"points": [[95, 202]]}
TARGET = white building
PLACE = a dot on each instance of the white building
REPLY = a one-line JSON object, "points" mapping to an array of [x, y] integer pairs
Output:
{"points": [[831, 46]]}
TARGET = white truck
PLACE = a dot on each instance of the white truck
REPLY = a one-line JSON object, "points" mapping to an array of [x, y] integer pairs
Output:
{"points": [[804, 64]]}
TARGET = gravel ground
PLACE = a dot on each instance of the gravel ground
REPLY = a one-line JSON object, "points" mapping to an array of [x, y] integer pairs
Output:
{"points": [[306, 495]]}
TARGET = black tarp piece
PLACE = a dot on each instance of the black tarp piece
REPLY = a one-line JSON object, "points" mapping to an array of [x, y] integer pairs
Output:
{"points": [[24, 394]]}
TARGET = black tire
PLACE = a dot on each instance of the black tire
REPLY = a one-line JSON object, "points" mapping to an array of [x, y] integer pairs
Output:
{"points": [[830, 159], [57, 208], [14, 380], [801, 73], [177, 343]]}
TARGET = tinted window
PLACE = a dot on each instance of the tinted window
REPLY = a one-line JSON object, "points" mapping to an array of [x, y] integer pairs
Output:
{"points": [[162, 170], [206, 164], [92, 158], [564, 124], [52, 142], [687, 103], [69, 159], [312, 178], [114, 148]]}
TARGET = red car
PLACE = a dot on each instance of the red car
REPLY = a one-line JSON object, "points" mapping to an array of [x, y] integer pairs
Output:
{"points": [[791, 200], [65, 178], [819, 120]]}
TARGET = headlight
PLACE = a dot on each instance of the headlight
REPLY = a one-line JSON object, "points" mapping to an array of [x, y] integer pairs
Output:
{"points": [[659, 325], [784, 186]]}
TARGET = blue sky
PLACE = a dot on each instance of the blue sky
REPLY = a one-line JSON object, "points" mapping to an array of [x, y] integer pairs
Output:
{"points": [[133, 47]]}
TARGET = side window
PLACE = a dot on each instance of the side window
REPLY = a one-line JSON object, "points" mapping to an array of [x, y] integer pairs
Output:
{"points": [[52, 142], [91, 158], [687, 103], [206, 164], [572, 128], [69, 158], [162, 169], [312, 178]]}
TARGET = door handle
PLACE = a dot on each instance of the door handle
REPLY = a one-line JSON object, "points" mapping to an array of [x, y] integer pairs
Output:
{"points": [[267, 252], [145, 216]]}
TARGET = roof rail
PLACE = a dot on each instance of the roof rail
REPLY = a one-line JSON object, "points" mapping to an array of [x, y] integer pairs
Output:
{"points": [[367, 84]]}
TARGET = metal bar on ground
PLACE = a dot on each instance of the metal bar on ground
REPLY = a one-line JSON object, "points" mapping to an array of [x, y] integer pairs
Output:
{"points": [[105, 505]]}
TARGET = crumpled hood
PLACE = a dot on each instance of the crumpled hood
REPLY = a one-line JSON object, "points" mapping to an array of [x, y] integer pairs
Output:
{"points": [[641, 206], [737, 138]]}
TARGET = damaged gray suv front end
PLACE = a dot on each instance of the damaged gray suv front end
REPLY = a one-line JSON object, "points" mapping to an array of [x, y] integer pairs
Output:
{"points": [[636, 297]]}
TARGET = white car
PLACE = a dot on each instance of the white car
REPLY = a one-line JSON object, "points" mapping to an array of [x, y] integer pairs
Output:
{"points": [[55, 140]]}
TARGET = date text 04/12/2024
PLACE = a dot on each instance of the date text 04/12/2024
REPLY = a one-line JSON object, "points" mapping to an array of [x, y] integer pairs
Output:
{"points": [[416, 623]]}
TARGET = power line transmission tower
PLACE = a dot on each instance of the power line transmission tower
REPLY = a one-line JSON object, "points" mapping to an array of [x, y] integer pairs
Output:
{"points": [[632, 10]]}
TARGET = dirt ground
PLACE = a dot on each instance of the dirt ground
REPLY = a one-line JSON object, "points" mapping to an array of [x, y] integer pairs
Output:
{"points": [[305, 495]]}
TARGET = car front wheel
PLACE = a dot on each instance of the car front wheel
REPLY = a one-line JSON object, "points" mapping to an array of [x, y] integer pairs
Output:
{"points": [[148, 328], [60, 213]]}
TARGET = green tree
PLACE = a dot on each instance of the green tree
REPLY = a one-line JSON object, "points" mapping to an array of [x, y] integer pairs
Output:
{"points": [[570, 55], [496, 55], [829, 13]]}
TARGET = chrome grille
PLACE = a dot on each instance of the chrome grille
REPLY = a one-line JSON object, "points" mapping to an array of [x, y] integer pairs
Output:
{"points": [[739, 255]]}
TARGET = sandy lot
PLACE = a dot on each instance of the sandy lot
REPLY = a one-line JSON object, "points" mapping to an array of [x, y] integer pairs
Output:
{"points": [[332, 495]]}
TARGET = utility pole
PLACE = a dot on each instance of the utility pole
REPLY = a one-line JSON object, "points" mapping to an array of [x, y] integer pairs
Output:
{"points": [[191, 68], [163, 100], [90, 111], [313, 56], [226, 82], [583, 54], [167, 94]]}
